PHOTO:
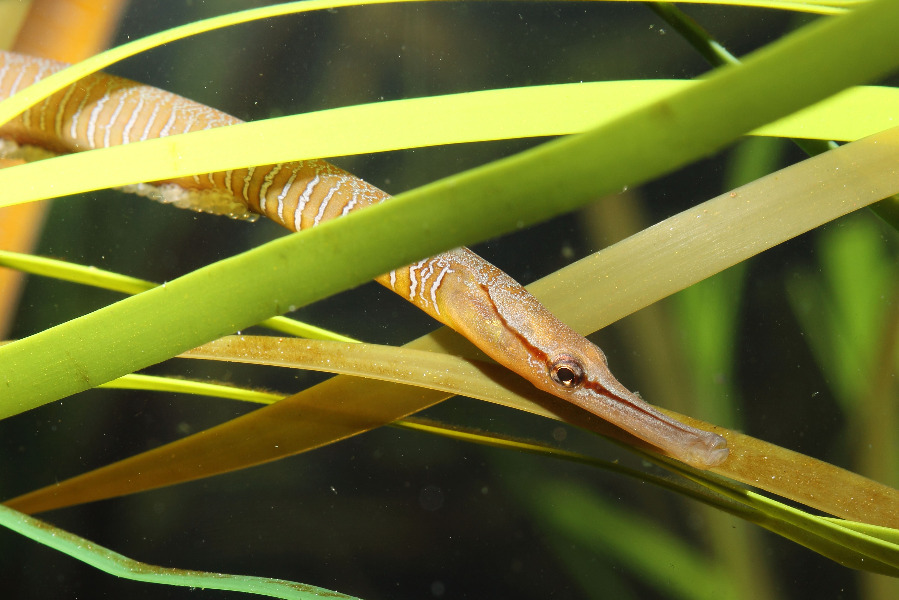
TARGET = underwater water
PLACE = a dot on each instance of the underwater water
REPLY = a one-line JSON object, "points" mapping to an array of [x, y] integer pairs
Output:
{"points": [[402, 514]]}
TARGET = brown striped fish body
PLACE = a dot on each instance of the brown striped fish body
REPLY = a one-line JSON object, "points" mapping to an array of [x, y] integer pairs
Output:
{"points": [[457, 287]]}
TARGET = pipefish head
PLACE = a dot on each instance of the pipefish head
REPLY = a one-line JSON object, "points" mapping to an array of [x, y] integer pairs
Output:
{"points": [[520, 333], [579, 372]]}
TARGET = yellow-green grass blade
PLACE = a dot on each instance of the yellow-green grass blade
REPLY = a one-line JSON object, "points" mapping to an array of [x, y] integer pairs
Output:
{"points": [[852, 546], [66, 271], [401, 124], [823, 7], [121, 566], [692, 245], [886, 534], [22, 100], [188, 386]]}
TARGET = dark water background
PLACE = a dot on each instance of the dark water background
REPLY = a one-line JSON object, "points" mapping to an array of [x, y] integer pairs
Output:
{"points": [[398, 514]]}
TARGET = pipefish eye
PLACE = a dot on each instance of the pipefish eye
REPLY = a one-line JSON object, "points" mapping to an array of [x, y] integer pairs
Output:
{"points": [[567, 372]]}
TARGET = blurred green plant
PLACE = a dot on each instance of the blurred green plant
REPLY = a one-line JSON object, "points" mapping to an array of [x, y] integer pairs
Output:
{"points": [[848, 310]]}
